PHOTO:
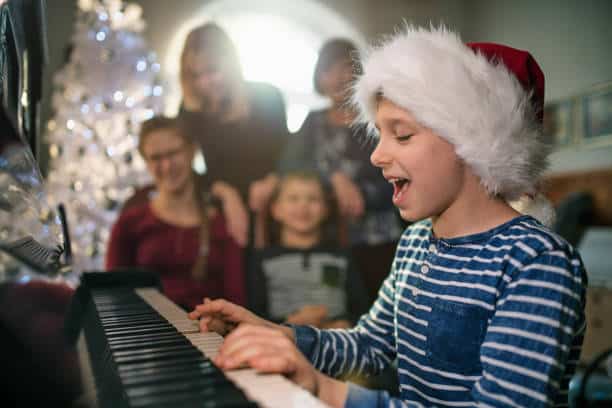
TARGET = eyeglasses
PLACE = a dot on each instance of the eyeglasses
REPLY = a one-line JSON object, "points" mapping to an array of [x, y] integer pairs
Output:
{"points": [[169, 155]]}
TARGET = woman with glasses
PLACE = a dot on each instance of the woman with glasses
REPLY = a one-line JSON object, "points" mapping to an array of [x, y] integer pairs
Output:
{"points": [[179, 233]]}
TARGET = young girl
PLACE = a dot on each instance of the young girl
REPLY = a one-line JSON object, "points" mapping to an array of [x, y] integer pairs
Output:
{"points": [[483, 306], [303, 277], [178, 234]]}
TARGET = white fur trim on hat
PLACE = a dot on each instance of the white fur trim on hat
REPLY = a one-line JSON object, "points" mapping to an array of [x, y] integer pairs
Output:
{"points": [[478, 106]]}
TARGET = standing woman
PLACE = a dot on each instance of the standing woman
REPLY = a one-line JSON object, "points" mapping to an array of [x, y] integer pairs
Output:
{"points": [[328, 144], [179, 234], [240, 126]]}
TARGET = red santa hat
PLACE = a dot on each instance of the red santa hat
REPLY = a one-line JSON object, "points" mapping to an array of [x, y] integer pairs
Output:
{"points": [[485, 99]]}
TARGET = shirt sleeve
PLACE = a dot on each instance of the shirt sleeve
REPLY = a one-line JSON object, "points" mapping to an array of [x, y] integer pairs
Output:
{"points": [[536, 325], [366, 349]]}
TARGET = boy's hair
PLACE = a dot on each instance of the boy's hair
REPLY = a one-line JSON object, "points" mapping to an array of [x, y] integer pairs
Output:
{"points": [[484, 99], [330, 224], [332, 51]]}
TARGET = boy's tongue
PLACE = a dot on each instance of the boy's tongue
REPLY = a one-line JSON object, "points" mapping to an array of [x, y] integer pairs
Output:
{"points": [[399, 188]]}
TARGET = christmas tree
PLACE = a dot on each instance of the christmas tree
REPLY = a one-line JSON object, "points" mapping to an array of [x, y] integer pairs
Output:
{"points": [[109, 85]]}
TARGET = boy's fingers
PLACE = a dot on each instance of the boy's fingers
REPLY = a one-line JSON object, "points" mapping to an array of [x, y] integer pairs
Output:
{"points": [[246, 336], [204, 324], [272, 364], [217, 326], [246, 348]]}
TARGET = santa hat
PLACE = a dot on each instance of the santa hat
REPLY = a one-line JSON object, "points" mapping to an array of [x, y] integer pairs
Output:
{"points": [[485, 99]]}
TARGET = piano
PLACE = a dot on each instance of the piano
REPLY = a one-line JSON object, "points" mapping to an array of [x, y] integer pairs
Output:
{"points": [[138, 349]]}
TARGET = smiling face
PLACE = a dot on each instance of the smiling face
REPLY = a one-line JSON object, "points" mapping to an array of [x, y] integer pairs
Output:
{"points": [[168, 157], [300, 207], [428, 177]]}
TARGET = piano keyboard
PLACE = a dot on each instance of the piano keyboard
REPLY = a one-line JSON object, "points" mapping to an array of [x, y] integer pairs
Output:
{"points": [[161, 359]]}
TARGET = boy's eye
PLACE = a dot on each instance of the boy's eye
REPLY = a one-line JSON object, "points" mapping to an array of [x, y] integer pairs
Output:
{"points": [[404, 138]]}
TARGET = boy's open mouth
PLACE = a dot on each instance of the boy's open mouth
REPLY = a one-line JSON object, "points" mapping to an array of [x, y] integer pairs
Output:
{"points": [[399, 186]]}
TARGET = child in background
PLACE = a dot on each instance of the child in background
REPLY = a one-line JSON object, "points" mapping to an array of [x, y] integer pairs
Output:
{"points": [[303, 277]]}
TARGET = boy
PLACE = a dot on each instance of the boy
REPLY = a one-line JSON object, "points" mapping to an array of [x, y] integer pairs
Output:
{"points": [[483, 305], [303, 276]]}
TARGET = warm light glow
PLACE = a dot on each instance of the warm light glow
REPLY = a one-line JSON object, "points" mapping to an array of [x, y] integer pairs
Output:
{"points": [[277, 43], [274, 50]]}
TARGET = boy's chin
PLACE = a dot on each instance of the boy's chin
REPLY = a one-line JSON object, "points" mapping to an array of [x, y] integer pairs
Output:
{"points": [[410, 215]]}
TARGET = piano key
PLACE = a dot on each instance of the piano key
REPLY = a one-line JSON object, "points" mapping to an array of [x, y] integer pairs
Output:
{"points": [[147, 352], [269, 391]]}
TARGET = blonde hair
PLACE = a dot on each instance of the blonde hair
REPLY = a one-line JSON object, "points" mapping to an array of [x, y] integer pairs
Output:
{"points": [[212, 42]]}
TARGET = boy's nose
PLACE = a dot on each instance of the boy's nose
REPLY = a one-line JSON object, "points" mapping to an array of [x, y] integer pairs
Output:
{"points": [[379, 156]]}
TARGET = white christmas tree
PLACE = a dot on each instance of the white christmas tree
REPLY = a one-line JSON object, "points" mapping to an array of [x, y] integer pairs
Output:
{"points": [[109, 85]]}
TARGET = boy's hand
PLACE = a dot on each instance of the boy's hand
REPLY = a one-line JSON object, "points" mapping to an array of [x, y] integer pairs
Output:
{"points": [[221, 316], [313, 315], [269, 351]]}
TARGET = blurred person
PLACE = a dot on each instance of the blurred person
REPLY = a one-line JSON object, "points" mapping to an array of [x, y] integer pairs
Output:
{"points": [[240, 126], [304, 277], [483, 305], [179, 234], [340, 153]]}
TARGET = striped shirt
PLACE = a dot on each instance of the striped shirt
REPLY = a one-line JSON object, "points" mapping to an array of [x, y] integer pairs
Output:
{"points": [[490, 319]]}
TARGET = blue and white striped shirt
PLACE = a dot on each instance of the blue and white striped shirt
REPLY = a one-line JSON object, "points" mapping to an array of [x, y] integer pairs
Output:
{"points": [[490, 319]]}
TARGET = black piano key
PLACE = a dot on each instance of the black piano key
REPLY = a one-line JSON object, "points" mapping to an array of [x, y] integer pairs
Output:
{"points": [[204, 368], [125, 313], [128, 320], [144, 343], [137, 326], [147, 362], [194, 385], [156, 349], [139, 337], [182, 360], [170, 377], [232, 399], [161, 355], [217, 396], [150, 330]]}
